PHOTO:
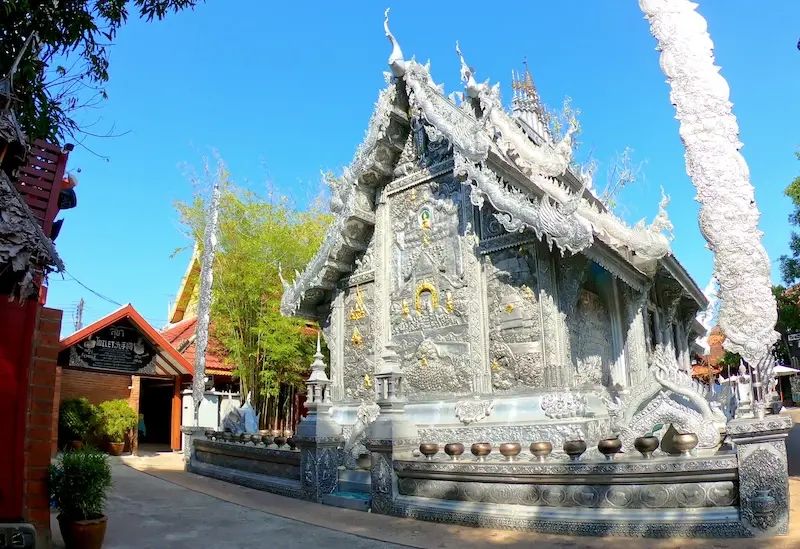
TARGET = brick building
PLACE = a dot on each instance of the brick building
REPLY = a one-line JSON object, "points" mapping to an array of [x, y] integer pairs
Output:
{"points": [[121, 356]]}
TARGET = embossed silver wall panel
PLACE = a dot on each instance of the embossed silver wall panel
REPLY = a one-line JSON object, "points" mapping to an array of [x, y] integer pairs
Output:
{"points": [[358, 308], [616, 496]]}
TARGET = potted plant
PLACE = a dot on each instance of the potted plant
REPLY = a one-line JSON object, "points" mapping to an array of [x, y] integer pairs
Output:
{"points": [[118, 419], [77, 419], [79, 482]]}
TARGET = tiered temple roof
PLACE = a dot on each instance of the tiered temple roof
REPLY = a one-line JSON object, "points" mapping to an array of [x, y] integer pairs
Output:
{"points": [[509, 158]]}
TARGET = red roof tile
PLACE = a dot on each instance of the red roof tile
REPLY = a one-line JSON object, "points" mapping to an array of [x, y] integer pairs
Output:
{"points": [[181, 336]]}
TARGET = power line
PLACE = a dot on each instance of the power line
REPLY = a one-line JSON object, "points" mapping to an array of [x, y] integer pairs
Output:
{"points": [[98, 294]]}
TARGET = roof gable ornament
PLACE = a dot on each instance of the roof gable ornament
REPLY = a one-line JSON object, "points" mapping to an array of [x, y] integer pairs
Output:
{"points": [[396, 62]]}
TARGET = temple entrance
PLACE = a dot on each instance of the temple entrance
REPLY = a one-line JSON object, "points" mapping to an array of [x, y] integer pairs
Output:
{"points": [[155, 414]]}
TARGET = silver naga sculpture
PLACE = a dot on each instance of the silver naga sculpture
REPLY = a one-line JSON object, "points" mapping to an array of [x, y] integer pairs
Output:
{"points": [[710, 134]]}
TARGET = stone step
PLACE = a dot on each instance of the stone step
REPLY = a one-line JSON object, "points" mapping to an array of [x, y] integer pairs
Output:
{"points": [[355, 481], [357, 501]]}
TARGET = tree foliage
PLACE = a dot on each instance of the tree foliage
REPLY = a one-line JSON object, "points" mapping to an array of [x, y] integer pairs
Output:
{"points": [[621, 170], [256, 234], [790, 265], [66, 68]]}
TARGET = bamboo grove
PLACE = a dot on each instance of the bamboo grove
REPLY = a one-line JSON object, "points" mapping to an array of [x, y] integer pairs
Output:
{"points": [[270, 354]]}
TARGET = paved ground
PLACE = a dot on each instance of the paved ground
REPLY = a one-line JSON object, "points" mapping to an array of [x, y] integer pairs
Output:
{"points": [[146, 512], [160, 506]]}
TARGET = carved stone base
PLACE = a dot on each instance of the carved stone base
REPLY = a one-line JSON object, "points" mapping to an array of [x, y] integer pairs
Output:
{"points": [[319, 466], [383, 477], [763, 473]]}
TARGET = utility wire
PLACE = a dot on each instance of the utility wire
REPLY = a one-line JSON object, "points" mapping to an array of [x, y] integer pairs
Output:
{"points": [[98, 294]]}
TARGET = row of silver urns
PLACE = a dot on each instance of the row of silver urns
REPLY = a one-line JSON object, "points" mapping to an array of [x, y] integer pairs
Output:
{"points": [[266, 440], [609, 447]]}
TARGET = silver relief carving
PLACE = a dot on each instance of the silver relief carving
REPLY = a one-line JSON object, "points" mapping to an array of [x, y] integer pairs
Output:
{"points": [[472, 411], [563, 405], [764, 489]]}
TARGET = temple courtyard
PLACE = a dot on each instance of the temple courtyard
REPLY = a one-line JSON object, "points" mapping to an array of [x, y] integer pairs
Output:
{"points": [[155, 504]]}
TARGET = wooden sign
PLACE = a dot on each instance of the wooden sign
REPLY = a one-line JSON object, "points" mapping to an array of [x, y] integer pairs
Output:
{"points": [[119, 347]]}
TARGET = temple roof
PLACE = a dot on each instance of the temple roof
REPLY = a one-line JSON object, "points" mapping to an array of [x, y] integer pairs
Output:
{"points": [[24, 248], [529, 180]]}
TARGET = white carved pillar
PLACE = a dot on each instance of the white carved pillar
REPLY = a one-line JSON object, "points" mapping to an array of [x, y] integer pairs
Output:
{"points": [[478, 309], [635, 337], [553, 333], [381, 328], [333, 332], [719, 172], [619, 367]]}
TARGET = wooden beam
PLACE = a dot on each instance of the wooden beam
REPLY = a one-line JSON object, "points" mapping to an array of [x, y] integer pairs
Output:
{"points": [[175, 427]]}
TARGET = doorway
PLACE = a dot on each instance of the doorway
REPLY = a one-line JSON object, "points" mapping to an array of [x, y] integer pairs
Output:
{"points": [[155, 414]]}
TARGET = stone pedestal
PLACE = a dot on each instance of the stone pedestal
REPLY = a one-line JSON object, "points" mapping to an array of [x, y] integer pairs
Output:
{"points": [[391, 436], [319, 465], [763, 473], [318, 437], [189, 435]]}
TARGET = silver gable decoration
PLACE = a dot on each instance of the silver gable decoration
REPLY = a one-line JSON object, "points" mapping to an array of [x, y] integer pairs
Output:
{"points": [[472, 411]]}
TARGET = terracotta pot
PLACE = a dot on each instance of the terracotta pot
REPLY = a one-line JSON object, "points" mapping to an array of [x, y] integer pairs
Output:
{"points": [[454, 449], [574, 449], [116, 448], [609, 447], [510, 450], [685, 443], [429, 450], [541, 449], [77, 444], [481, 449], [83, 534], [646, 446]]}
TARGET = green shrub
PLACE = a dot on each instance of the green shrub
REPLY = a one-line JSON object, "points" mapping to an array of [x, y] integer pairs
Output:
{"points": [[118, 419], [77, 419], [79, 483]]}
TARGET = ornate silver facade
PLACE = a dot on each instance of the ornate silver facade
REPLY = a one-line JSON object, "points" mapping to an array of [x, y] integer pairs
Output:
{"points": [[471, 274]]}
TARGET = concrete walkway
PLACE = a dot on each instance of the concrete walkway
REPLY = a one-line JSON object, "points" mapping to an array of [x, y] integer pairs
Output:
{"points": [[146, 512], [158, 505]]}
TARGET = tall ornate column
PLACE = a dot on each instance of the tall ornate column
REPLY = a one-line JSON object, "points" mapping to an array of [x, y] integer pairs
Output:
{"points": [[318, 437], [381, 325], [635, 339], [390, 436], [719, 172], [763, 473]]}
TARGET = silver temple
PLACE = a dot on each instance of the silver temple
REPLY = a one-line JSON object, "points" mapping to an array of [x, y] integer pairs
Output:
{"points": [[472, 289]]}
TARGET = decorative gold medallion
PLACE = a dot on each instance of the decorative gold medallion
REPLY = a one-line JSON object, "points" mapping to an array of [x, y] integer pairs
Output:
{"points": [[510, 308], [367, 382], [357, 339], [495, 366], [448, 303], [405, 307]]}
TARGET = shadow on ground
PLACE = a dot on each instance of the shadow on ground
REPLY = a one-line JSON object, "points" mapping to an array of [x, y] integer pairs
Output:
{"points": [[187, 510]]}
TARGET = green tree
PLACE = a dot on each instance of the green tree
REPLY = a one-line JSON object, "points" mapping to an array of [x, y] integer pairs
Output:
{"points": [[790, 265], [271, 353], [66, 68]]}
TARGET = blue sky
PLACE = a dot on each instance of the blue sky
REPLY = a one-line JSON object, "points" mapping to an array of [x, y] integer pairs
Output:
{"points": [[284, 90]]}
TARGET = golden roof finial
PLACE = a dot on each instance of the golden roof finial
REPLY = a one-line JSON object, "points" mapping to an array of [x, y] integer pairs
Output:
{"points": [[526, 87]]}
